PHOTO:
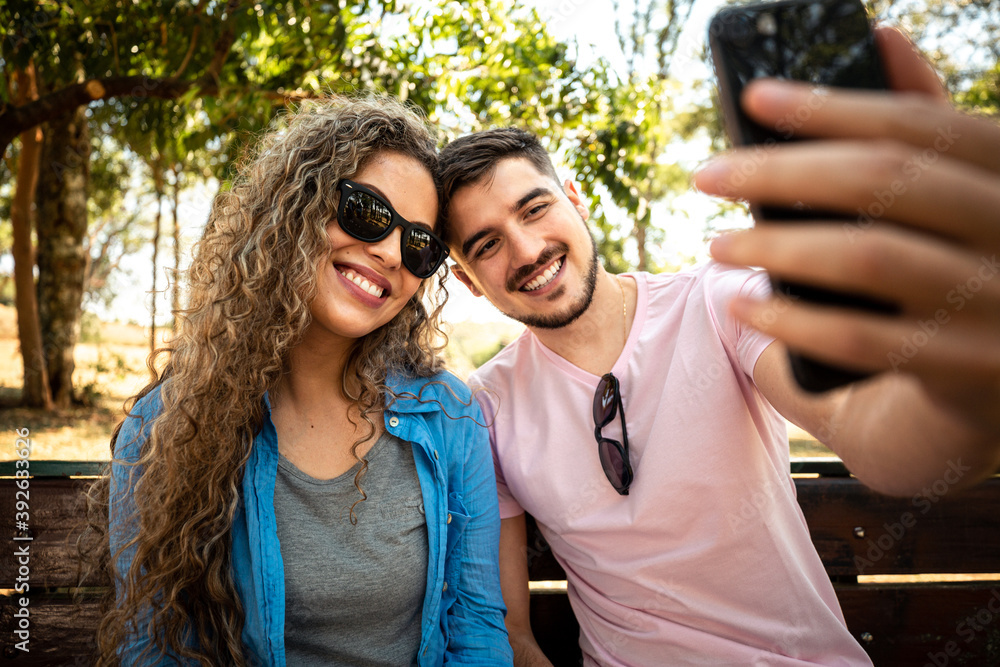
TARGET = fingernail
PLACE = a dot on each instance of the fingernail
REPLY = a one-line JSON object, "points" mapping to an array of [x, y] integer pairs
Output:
{"points": [[712, 172], [781, 92], [745, 309], [722, 246], [774, 89]]}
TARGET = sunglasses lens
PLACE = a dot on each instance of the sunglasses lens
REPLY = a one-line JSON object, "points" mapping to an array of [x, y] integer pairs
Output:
{"points": [[611, 461], [604, 400], [422, 254], [365, 217]]}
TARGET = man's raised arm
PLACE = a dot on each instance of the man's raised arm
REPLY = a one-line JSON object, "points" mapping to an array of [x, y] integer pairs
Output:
{"points": [[931, 249]]}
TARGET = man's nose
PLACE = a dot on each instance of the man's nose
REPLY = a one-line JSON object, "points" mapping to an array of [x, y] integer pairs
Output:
{"points": [[525, 247]]}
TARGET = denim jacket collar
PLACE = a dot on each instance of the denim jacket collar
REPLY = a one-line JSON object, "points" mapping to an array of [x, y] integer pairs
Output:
{"points": [[404, 396]]}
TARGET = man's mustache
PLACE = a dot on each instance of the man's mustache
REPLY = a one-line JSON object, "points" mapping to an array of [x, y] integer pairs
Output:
{"points": [[544, 258]]}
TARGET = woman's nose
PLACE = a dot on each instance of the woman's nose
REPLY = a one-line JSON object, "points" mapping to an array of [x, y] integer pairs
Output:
{"points": [[387, 250]]}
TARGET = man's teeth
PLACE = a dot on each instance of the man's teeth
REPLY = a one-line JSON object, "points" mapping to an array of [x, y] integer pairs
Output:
{"points": [[363, 283], [544, 279]]}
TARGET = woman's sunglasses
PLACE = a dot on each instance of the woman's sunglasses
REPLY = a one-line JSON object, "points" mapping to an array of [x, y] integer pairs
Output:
{"points": [[368, 217], [614, 455]]}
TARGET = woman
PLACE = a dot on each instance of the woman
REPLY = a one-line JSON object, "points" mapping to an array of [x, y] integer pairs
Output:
{"points": [[302, 482]]}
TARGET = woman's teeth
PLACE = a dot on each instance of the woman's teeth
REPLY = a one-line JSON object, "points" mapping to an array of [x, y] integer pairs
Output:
{"points": [[363, 283], [545, 278]]}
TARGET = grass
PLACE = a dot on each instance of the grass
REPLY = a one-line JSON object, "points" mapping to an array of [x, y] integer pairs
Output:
{"points": [[77, 434], [109, 368]]}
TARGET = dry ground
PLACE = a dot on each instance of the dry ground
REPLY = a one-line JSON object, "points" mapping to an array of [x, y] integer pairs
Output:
{"points": [[115, 368]]}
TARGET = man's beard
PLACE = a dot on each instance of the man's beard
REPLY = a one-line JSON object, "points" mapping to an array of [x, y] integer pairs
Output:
{"points": [[577, 309]]}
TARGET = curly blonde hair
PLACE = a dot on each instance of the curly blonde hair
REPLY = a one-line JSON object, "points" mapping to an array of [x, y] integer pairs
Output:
{"points": [[251, 283]]}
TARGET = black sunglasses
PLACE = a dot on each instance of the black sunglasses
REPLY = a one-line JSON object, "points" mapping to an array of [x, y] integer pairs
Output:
{"points": [[366, 216], [614, 455]]}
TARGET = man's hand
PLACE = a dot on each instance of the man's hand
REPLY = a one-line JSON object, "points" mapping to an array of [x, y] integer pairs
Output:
{"points": [[514, 585], [920, 185]]}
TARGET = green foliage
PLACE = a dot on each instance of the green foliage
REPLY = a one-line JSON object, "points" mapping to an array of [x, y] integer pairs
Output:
{"points": [[468, 65], [118, 216], [90, 328], [481, 357], [960, 38], [495, 64], [238, 65], [622, 151], [983, 96]]}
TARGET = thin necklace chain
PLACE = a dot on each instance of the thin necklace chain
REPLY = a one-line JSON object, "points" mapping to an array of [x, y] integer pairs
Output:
{"points": [[624, 314]]}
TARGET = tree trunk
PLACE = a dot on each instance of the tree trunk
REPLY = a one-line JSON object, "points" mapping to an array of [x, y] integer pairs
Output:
{"points": [[64, 175], [158, 183], [36, 393], [639, 231], [175, 301]]}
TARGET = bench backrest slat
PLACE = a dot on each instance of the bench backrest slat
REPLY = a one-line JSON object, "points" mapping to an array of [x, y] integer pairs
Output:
{"points": [[56, 519], [857, 531]]}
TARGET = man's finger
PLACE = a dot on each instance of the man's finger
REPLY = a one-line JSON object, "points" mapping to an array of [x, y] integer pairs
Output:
{"points": [[803, 110], [925, 277], [926, 191], [907, 69]]}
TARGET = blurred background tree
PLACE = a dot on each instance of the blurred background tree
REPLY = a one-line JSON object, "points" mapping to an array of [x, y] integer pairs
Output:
{"points": [[122, 83], [118, 118]]}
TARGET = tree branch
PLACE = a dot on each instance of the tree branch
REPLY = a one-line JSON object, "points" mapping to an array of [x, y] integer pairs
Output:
{"points": [[15, 120], [223, 44], [190, 52]]}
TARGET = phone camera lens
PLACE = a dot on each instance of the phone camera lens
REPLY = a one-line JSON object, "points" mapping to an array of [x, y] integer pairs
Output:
{"points": [[740, 30], [766, 25]]}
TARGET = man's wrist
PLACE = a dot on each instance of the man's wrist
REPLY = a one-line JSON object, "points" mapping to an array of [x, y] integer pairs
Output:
{"points": [[527, 652]]}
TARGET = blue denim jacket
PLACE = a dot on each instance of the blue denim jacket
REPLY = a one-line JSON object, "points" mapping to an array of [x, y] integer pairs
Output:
{"points": [[463, 612]]}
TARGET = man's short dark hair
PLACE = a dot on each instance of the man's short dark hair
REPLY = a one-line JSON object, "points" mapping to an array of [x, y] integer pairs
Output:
{"points": [[473, 158]]}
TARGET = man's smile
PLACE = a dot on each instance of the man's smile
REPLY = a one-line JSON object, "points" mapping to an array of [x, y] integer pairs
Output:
{"points": [[543, 278]]}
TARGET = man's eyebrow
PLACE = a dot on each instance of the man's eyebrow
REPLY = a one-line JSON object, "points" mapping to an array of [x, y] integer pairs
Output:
{"points": [[537, 192], [515, 207], [471, 241]]}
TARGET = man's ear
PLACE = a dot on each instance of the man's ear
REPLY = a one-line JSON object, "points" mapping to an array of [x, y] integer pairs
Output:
{"points": [[464, 278], [569, 187]]}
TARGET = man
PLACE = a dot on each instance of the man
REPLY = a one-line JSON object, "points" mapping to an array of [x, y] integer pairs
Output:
{"points": [[639, 415]]}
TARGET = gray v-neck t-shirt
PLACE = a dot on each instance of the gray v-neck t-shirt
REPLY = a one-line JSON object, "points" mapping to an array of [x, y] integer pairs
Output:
{"points": [[353, 593]]}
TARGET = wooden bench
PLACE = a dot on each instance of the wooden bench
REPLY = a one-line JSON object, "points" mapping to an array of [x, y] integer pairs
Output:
{"points": [[911, 624]]}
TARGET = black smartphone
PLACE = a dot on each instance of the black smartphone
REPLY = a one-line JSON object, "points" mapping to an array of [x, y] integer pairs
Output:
{"points": [[826, 42]]}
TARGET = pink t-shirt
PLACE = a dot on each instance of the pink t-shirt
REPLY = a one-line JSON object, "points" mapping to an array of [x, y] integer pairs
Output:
{"points": [[708, 560]]}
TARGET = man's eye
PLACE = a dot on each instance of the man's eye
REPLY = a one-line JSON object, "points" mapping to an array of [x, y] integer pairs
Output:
{"points": [[535, 210], [485, 247]]}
